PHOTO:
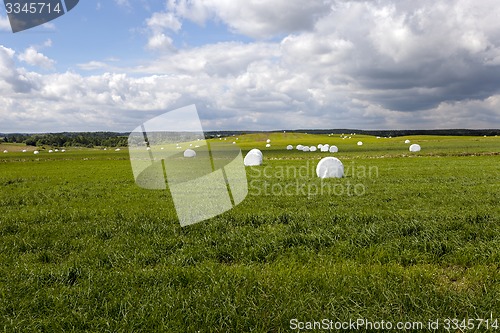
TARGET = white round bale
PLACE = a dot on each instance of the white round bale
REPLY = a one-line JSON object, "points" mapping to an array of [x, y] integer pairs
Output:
{"points": [[334, 149], [407, 141], [415, 148], [324, 149], [36, 152], [289, 147], [313, 148], [299, 147], [330, 167], [305, 148], [268, 140], [253, 158], [360, 143], [189, 153]]}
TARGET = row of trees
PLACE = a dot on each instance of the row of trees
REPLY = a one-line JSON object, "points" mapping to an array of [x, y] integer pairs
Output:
{"points": [[87, 139]]}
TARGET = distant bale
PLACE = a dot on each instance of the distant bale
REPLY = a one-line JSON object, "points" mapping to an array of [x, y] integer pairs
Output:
{"points": [[299, 147], [5, 151], [320, 146], [253, 158], [325, 148], [305, 148], [117, 149], [189, 153], [24, 150], [415, 148], [268, 145], [289, 147], [36, 152], [51, 151], [330, 167], [268, 140], [407, 141], [313, 148], [360, 143], [334, 149]]}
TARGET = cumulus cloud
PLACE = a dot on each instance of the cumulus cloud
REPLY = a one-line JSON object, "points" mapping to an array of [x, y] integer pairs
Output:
{"points": [[254, 18], [34, 58], [345, 63]]}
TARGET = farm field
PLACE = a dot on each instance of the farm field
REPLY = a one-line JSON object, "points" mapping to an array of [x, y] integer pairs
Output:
{"points": [[404, 237]]}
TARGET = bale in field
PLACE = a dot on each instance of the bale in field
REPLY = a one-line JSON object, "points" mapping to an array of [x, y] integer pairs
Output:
{"points": [[325, 148], [415, 148], [299, 147], [360, 143], [253, 158], [268, 145], [189, 153], [334, 149], [407, 141], [5, 151], [117, 149], [36, 152], [289, 147], [268, 140], [330, 167], [51, 151], [305, 148], [313, 148]]}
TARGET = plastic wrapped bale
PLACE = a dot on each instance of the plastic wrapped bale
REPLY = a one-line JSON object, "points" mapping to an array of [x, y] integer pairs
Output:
{"points": [[407, 141], [305, 148], [268, 141], [330, 167], [360, 143], [325, 149], [289, 147], [313, 148], [189, 153], [268, 145], [334, 149], [256, 151], [320, 146], [36, 152], [253, 158], [415, 148], [299, 147]]}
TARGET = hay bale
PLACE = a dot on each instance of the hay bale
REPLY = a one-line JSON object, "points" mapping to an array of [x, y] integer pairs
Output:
{"points": [[313, 148], [330, 167], [334, 149], [189, 153], [360, 143], [414, 148], [407, 141], [253, 158], [289, 147]]}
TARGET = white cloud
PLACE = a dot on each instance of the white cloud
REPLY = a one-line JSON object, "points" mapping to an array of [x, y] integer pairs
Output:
{"points": [[34, 58], [4, 23], [254, 18], [161, 21], [354, 64]]}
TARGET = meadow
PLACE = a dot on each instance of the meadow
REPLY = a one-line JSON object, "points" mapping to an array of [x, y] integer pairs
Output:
{"points": [[83, 249]]}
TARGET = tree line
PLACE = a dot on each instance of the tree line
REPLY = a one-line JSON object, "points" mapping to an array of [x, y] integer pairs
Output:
{"points": [[84, 139]]}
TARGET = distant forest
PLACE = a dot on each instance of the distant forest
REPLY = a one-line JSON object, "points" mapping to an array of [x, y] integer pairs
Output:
{"points": [[84, 139], [112, 139]]}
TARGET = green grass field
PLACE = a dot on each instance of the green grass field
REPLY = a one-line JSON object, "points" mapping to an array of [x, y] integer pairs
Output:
{"points": [[83, 249]]}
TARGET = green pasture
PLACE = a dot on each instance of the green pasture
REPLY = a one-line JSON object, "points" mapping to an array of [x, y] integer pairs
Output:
{"points": [[417, 238]]}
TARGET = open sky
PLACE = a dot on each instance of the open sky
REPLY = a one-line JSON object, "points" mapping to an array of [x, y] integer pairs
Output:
{"points": [[255, 65]]}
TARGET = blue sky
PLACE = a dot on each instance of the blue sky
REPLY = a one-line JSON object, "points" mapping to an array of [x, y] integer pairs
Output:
{"points": [[254, 65]]}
